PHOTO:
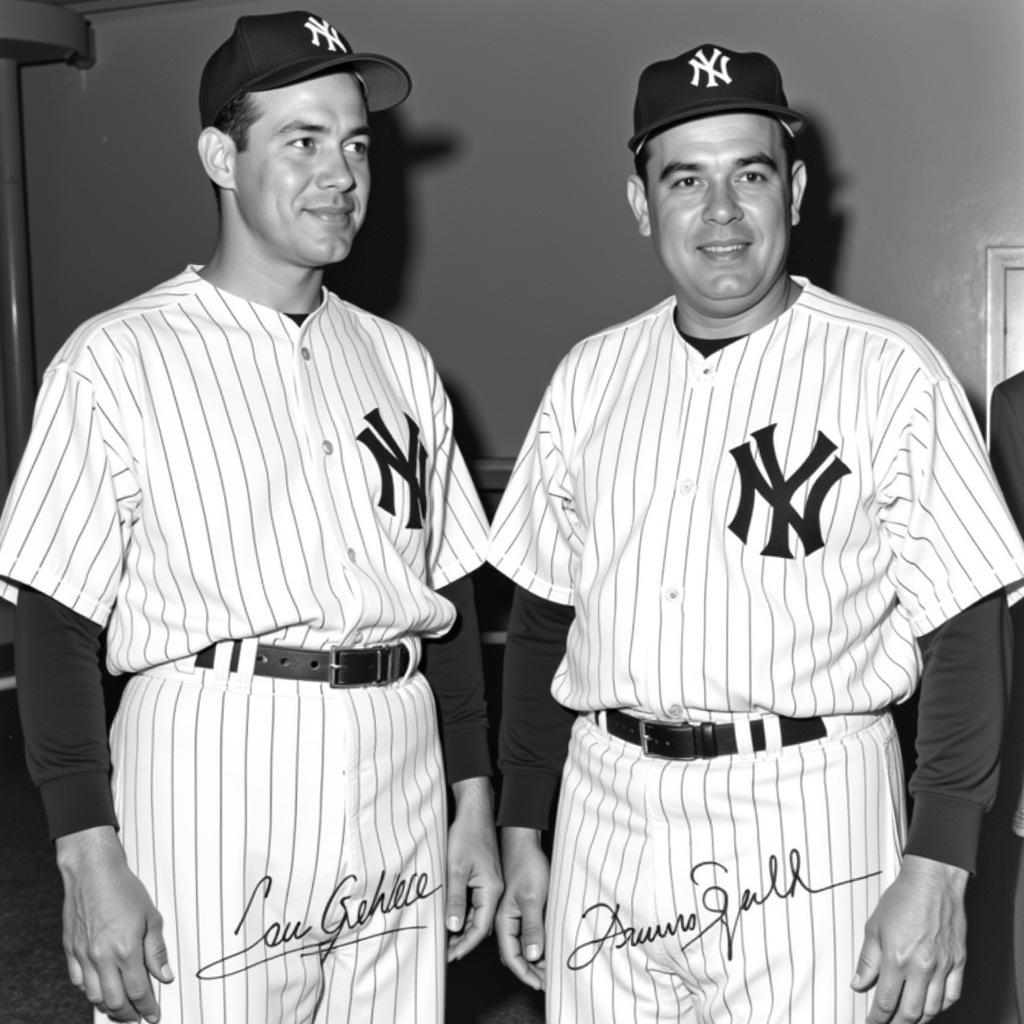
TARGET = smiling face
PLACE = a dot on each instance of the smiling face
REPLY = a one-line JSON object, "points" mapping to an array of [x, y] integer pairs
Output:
{"points": [[719, 203], [295, 197]]}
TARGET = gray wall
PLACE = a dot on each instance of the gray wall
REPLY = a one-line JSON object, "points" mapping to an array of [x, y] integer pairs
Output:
{"points": [[508, 237], [503, 235]]}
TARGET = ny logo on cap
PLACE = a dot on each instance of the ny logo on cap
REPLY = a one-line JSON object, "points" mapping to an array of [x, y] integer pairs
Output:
{"points": [[321, 28], [706, 65]]}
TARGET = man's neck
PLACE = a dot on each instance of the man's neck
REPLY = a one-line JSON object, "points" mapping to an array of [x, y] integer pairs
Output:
{"points": [[770, 308], [288, 289]]}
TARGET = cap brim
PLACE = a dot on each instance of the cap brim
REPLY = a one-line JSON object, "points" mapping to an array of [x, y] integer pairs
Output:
{"points": [[790, 118], [387, 82]]}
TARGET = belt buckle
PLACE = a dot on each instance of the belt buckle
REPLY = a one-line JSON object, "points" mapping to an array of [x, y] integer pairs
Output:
{"points": [[695, 754], [334, 680]]}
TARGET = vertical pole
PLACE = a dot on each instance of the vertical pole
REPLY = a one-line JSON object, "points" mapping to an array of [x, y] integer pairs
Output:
{"points": [[16, 345]]}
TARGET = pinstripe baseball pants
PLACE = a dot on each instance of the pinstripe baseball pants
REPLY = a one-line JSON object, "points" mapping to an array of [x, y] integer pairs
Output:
{"points": [[293, 838], [733, 889]]}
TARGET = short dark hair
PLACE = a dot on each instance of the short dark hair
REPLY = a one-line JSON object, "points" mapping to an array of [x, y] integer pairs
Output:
{"points": [[788, 146], [237, 118]]}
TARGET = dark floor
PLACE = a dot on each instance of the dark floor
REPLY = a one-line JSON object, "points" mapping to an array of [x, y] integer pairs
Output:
{"points": [[33, 983]]}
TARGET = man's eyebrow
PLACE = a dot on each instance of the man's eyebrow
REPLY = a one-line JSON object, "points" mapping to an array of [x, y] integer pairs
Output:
{"points": [[758, 158], [315, 128], [678, 167], [693, 167]]}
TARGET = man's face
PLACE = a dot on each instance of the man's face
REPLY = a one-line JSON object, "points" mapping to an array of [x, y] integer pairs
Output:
{"points": [[719, 205], [300, 186]]}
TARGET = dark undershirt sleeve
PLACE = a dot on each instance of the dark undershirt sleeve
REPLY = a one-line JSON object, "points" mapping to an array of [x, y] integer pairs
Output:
{"points": [[454, 666], [534, 735], [60, 700], [964, 689]]}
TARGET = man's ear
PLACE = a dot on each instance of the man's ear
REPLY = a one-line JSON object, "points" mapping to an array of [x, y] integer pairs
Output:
{"points": [[217, 154], [636, 193], [797, 183]]}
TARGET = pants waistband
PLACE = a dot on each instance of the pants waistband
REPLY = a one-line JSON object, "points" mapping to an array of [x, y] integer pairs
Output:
{"points": [[689, 741], [335, 666]]}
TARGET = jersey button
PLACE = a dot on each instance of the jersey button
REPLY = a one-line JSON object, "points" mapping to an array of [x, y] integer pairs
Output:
{"points": [[707, 372], [672, 594], [675, 711], [306, 355], [687, 487], [327, 447], [351, 554], [358, 638]]}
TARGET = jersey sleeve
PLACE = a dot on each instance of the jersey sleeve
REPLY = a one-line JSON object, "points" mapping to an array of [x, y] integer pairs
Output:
{"points": [[66, 521], [537, 537], [458, 524], [953, 538]]}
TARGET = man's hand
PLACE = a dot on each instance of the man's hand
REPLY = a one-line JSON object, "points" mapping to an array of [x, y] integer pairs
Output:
{"points": [[113, 935], [473, 868], [520, 920], [915, 944]]}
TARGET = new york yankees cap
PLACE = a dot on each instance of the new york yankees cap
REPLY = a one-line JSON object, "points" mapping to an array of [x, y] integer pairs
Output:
{"points": [[708, 80], [267, 51]]}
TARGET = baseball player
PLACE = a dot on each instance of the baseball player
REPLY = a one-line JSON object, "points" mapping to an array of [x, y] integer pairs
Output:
{"points": [[739, 525], [252, 487]]}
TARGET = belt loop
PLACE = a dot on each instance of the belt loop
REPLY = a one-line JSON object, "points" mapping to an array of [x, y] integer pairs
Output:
{"points": [[744, 739], [708, 743], [246, 662], [223, 656], [772, 732]]}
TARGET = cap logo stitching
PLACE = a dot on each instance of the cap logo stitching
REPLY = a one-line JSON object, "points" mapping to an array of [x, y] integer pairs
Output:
{"points": [[320, 28], [702, 64]]}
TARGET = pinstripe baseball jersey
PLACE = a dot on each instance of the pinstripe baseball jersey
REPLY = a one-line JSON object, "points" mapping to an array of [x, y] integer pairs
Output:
{"points": [[188, 476], [765, 530]]}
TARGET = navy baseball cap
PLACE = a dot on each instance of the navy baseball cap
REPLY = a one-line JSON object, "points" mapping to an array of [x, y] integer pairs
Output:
{"points": [[708, 80], [267, 51]]}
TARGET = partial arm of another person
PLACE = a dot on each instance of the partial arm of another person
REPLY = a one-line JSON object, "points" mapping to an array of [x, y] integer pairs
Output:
{"points": [[533, 742], [1006, 450], [915, 941], [113, 937], [454, 666]]}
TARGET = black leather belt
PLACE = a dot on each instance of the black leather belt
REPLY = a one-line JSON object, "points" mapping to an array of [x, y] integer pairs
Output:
{"points": [[336, 666], [690, 741]]}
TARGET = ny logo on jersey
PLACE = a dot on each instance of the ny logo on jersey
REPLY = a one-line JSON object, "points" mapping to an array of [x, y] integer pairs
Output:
{"points": [[706, 65], [321, 28], [778, 491], [410, 466]]}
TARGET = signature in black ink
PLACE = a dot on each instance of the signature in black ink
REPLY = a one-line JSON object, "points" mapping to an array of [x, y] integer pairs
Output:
{"points": [[713, 898], [342, 915]]}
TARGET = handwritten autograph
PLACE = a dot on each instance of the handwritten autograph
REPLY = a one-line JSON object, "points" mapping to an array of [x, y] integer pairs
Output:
{"points": [[287, 938], [714, 898]]}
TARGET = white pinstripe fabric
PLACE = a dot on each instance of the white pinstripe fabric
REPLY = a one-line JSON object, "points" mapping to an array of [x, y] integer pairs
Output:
{"points": [[193, 474], [319, 791], [627, 502], [622, 494], [681, 853]]}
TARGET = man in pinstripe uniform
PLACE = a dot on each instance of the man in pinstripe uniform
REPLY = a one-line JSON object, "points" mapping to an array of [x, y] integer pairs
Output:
{"points": [[740, 524], [253, 487]]}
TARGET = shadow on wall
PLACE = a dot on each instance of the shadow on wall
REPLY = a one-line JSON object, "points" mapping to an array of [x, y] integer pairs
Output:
{"points": [[375, 275], [817, 240]]}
